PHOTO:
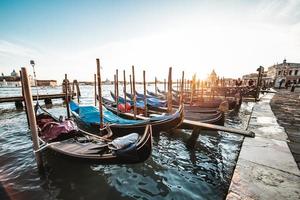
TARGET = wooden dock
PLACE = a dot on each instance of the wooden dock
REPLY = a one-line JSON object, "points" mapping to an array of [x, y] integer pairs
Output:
{"points": [[18, 100], [41, 97]]}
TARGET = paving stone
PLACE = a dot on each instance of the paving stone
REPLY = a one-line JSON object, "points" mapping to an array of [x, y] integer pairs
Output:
{"points": [[255, 181], [269, 152], [286, 107]]}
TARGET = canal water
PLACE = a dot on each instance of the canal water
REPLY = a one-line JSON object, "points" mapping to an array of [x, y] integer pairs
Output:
{"points": [[172, 172]]}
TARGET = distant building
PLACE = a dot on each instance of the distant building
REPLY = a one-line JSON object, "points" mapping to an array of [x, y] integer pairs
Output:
{"points": [[212, 78], [252, 76], [13, 80], [46, 83], [284, 72]]}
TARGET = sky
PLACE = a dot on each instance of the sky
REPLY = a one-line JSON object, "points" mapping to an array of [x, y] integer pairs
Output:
{"points": [[66, 36]]}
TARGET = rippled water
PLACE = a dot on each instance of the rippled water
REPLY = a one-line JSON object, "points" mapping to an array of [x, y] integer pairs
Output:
{"points": [[172, 172]]}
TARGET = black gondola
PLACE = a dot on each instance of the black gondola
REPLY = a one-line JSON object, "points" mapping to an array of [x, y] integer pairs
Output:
{"points": [[158, 123], [81, 145]]}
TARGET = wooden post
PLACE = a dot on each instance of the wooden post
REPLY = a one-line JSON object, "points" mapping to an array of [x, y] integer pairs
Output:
{"points": [[24, 100], [192, 85], [170, 90], [95, 88], [78, 91], [155, 85], [193, 139], [145, 97], [130, 84], [202, 90], [165, 85], [31, 117], [177, 87], [124, 89], [181, 88], [117, 90], [99, 92], [134, 93], [185, 85], [67, 95], [259, 80]]}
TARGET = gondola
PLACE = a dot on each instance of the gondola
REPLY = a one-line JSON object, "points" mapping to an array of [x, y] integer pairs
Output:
{"points": [[206, 103], [66, 139], [212, 116], [151, 101], [88, 117]]}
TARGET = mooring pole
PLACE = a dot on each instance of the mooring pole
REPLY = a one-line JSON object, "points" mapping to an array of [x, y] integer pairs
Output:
{"points": [[78, 91], [117, 89], [124, 89], [95, 88], [170, 90], [259, 80], [181, 88], [99, 92], [130, 82], [193, 139], [24, 100], [134, 93], [31, 117], [165, 85], [145, 97], [155, 85], [67, 96]]}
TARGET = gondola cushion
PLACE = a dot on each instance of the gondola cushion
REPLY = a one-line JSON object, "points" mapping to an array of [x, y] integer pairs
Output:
{"points": [[123, 142]]}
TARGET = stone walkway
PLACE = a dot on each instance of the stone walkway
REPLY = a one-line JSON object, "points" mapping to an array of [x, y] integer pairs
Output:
{"points": [[286, 107], [265, 168]]}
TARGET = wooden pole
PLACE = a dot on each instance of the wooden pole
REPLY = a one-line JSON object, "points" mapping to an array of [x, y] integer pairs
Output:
{"points": [[155, 84], [145, 97], [134, 93], [130, 84], [24, 101], [124, 89], [202, 90], [117, 89], [181, 88], [259, 80], [193, 139], [95, 88], [170, 90], [177, 87], [31, 117], [99, 92], [165, 85], [67, 95], [205, 126]]}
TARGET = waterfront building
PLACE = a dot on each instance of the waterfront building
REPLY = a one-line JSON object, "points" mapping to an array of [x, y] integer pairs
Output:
{"points": [[284, 72], [13, 80], [46, 83]]}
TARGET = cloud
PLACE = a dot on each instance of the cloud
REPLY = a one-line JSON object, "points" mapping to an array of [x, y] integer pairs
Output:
{"points": [[13, 49]]}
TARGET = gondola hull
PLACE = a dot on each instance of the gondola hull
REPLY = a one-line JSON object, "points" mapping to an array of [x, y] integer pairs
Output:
{"points": [[96, 152]]}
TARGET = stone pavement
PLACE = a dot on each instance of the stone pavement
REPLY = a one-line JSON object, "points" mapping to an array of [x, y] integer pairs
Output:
{"points": [[265, 168], [286, 107]]}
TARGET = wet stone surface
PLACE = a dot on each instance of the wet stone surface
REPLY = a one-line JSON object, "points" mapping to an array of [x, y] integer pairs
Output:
{"points": [[266, 168], [286, 107]]}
